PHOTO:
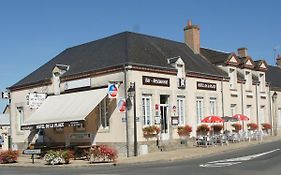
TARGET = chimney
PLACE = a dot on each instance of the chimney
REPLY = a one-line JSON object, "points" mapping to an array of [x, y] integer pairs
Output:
{"points": [[242, 52], [192, 37], [278, 60]]}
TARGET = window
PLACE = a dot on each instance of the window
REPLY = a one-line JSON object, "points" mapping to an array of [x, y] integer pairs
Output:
{"points": [[262, 111], [248, 77], [233, 109], [262, 82], [146, 109], [80, 127], [20, 117], [232, 76], [249, 110], [213, 106], [199, 109], [181, 110], [103, 113]]}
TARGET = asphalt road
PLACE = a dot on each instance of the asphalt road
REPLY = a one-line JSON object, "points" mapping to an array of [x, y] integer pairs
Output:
{"points": [[255, 160]]}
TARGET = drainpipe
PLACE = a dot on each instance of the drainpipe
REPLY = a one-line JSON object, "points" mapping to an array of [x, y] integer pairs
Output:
{"points": [[242, 99], [126, 113], [222, 101], [257, 108], [270, 110]]}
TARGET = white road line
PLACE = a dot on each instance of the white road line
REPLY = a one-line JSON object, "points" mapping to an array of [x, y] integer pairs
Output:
{"points": [[234, 161]]}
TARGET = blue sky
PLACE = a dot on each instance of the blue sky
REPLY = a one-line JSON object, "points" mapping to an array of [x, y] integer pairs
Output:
{"points": [[33, 31]]}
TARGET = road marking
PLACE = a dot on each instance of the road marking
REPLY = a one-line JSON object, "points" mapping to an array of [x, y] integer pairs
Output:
{"points": [[234, 161]]}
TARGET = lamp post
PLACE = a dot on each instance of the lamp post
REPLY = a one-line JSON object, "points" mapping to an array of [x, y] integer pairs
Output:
{"points": [[132, 94], [274, 98]]}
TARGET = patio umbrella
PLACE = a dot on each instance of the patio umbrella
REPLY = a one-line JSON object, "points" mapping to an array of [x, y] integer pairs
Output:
{"points": [[212, 119], [242, 118]]}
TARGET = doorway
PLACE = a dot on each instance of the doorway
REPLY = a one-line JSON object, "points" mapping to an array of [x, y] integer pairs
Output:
{"points": [[164, 117]]}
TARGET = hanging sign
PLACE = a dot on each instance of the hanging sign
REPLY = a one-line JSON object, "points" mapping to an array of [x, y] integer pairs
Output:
{"points": [[112, 90], [121, 105]]}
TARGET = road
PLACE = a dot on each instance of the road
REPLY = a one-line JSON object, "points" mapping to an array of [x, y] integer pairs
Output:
{"points": [[255, 160]]}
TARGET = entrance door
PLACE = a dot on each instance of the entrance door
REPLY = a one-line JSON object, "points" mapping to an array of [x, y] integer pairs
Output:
{"points": [[164, 117]]}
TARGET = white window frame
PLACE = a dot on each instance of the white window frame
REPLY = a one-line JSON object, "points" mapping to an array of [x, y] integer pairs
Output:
{"points": [[279, 116], [232, 76], [249, 111], [262, 114], [248, 77], [233, 109], [20, 117], [181, 109], [199, 109], [262, 82], [103, 115], [146, 110], [213, 106]]}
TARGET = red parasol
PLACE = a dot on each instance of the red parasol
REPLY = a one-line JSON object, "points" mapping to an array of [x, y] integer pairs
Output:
{"points": [[212, 119], [241, 117]]}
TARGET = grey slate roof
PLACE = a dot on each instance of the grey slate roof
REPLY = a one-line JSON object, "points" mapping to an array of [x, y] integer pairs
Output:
{"points": [[273, 76], [214, 56], [119, 49]]}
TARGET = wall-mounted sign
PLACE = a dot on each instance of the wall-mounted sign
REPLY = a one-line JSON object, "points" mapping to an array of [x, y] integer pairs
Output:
{"points": [[73, 84], [121, 105], [155, 81], [181, 83], [112, 90], [174, 120], [34, 100], [206, 86]]}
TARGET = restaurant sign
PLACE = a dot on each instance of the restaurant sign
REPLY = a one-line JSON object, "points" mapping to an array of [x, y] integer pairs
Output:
{"points": [[206, 86], [155, 81], [53, 125]]}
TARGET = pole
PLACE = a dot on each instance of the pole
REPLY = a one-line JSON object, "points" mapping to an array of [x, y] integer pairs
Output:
{"points": [[135, 124], [126, 113], [275, 118]]}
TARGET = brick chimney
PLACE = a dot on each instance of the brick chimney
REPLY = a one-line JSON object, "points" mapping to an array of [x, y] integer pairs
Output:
{"points": [[242, 52], [278, 60], [192, 37]]}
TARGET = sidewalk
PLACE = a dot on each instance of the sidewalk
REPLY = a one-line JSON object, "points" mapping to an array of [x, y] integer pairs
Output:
{"points": [[190, 152]]}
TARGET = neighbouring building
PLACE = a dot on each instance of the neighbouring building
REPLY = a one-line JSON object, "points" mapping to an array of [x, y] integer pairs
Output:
{"points": [[66, 101]]}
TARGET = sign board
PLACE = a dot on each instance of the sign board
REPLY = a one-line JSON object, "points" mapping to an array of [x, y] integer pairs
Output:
{"points": [[174, 120], [34, 100], [181, 83], [157, 120], [155, 81], [112, 90], [121, 105], [73, 84], [206, 86], [32, 151]]}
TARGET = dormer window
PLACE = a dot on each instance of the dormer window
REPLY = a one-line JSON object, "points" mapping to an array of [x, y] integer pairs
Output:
{"points": [[233, 78], [248, 78]]}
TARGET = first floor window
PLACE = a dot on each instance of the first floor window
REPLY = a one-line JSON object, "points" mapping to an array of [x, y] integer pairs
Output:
{"points": [[103, 112], [181, 110], [249, 110], [213, 106], [279, 116], [20, 117], [146, 109], [262, 111], [199, 109]]}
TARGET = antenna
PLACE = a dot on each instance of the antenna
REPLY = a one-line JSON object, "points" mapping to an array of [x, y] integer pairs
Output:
{"points": [[275, 52]]}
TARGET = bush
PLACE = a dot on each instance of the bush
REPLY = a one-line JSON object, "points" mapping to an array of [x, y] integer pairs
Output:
{"points": [[150, 131], [202, 129], [184, 130], [58, 157], [8, 156], [217, 128], [237, 127], [252, 126], [103, 153]]}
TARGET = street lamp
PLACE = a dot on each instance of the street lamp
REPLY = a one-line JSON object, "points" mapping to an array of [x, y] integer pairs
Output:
{"points": [[132, 94], [274, 98]]}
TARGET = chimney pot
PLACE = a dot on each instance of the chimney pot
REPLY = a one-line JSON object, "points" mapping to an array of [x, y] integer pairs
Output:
{"points": [[192, 37], [242, 52], [278, 60]]}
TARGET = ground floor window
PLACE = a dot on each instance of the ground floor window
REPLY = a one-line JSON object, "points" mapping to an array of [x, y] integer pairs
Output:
{"points": [[248, 110], [146, 109], [20, 117], [181, 110], [279, 116], [213, 106], [262, 114], [199, 109]]}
